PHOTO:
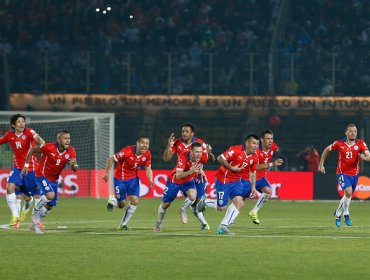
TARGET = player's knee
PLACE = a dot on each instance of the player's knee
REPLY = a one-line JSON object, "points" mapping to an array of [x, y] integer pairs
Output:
{"points": [[221, 208], [165, 205], [121, 204]]}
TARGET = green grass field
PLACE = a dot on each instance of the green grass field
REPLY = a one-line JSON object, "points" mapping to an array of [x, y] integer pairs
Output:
{"points": [[295, 240]]}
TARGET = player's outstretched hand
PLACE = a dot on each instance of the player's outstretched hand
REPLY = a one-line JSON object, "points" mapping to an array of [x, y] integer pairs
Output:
{"points": [[321, 169], [278, 162], [171, 140], [105, 178]]}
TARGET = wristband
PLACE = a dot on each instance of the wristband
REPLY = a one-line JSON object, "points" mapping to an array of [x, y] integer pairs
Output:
{"points": [[27, 165], [271, 164]]}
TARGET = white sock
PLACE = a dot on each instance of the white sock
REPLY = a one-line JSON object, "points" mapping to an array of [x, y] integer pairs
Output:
{"points": [[36, 202], [113, 201], [42, 212], [260, 202], [27, 204], [339, 211], [230, 216], [161, 214], [128, 214], [200, 217], [11, 199], [211, 203], [186, 204], [18, 204], [42, 201], [346, 202]]}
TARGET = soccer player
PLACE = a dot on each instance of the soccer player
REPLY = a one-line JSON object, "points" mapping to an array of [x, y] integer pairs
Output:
{"points": [[234, 162], [266, 150], [21, 139], [54, 157], [183, 144], [126, 180], [189, 166], [350, 151]]}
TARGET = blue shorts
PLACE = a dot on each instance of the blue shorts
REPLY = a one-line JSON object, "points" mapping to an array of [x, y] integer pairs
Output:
{"points": [[346, 181], [224, 191], [26, 185], [171, 190], [124, 188], [46, 186], [247, 188], [261, 183]]}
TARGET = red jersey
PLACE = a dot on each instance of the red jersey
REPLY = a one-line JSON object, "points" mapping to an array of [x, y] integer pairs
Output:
{"points": [[21, 144], [180, 147], [348, 156], [184, 163], [52, 161], [128, 162], [265, 157], [236, 156]]}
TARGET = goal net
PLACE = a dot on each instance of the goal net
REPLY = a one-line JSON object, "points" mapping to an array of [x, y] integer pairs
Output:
{"points": [[92, 136]]}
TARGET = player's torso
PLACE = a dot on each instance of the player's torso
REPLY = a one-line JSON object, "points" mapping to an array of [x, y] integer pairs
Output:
{"points": [[129, 163], [180, 146], [185, 163], [348, 157], [249, 165], [236, 156], [265, 157]]}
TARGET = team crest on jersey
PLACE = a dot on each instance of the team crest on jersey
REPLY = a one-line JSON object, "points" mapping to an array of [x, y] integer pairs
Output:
{"points": [[120, 154], [251, 161], [144, 159], [355, 147], [230, 153], [23, 137], [67, 156]]}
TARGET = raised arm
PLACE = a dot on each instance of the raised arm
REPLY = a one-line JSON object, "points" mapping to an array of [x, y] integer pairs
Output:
{"points": [[167, 155], [35, 149], [74, 164]]}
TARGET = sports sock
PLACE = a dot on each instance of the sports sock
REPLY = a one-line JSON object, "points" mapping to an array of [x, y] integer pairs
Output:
{"points": [[230, 216], [113, 201], [161, 214], [260, 202], [200, 217], [27, 204], [339, 210], [186, 204], [11, 199], [128, 214], [18, 205], [346, 203], [211, 203]]}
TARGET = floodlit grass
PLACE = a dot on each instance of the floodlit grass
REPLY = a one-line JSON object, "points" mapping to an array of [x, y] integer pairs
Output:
{"points": [[295, 240]]}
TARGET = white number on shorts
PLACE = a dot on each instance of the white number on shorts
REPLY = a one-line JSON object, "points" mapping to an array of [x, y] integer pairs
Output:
{"points": [[117, 189], [44, 183], [220, 195]]}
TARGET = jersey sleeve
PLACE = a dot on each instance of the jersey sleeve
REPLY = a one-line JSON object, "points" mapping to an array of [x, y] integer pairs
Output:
{"points": [[44, 148], [31, 133], [254, 164], [4, 138], [364, 147], [175, 145], [230, 154], [334, 146], [120, 156]]}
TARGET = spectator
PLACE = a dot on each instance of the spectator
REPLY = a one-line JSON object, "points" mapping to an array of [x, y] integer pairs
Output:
{"points": [[310, 156]]}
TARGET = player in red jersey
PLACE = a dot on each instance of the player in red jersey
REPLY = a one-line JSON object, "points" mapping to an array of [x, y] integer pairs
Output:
{"points": [[183, 144], [126, 180], [266, 150], [189, 165], [350, 151], [21, 139], [54, 157]]}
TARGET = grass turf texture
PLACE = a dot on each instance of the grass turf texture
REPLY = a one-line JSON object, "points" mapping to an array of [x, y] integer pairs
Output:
{"points": [[295, 240]]}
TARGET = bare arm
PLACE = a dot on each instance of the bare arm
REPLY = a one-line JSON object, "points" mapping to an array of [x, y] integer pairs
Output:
{"points": [[365, 156], [74, 164], [211, 156], [39, 140], [167, 155], [227, 165], [35, 149], [324, 155], [149, 175], [252, 178], [194, 169], [108, 167], [277, 162]]}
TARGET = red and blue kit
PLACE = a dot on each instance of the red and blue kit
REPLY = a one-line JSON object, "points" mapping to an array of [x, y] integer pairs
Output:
{"points": [[265, 157]]}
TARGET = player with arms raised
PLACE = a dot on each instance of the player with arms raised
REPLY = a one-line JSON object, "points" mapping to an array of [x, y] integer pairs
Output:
{"points": [[350, 151], [181, 145], [54, 157], [21, 139]]}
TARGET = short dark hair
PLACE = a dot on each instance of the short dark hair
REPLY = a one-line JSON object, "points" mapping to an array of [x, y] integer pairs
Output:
{"points": [[267, 131], [195, 144], [250, 136], [350, 125], [192, 127], [15, 117], [142, 137], [63, 131]]}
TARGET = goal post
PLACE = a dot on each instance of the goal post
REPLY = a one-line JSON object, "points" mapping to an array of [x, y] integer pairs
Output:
{"points": [[92, 136]]}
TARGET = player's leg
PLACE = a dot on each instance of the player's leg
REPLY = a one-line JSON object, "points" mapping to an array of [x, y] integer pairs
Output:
{"points": [[133, 192], [29, 190], [112, 200], [201, 193], [190, 191], [11, 197], [263, 186], [169, 195], [347, 199], [49, 192]]}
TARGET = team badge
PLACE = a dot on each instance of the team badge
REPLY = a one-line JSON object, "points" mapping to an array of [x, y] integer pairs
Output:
{"points": [[221, 201], [120, 154], [47, 188], [355, 147], [67, 156], [251, 161], [118, 196], [23, 137], [144, 159]]}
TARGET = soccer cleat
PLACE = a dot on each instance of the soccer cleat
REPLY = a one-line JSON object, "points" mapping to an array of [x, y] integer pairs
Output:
{"points": [[24, 215], [224, 229], [123, 227], [35, 227], [347, 220], [40, 225], [205, 227], [338, 222], [184, 216], [157, 227], [110, 206], [201, 206], [253, 215], [13, 221], [17, 224]]}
